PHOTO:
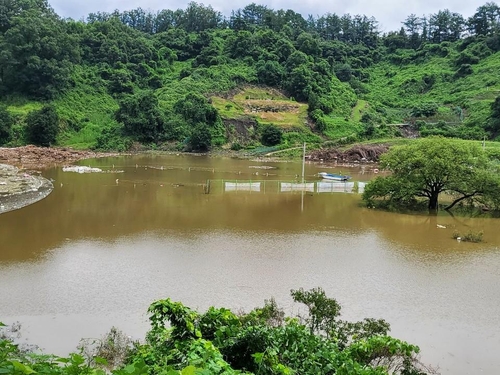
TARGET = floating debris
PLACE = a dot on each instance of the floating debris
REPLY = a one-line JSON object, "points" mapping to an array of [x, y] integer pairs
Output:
{"points": [[262, 167], [81, 169]]}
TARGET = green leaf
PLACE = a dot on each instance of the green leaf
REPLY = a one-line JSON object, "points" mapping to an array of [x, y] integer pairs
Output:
{"points": [[258, 357], [2, 325], [190, 370], [101, 361], [77, 359], [130, 369], [22, 368]]}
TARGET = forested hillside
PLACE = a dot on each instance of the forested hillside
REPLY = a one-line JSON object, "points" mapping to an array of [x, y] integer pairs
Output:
{"points": [[191, 79]]}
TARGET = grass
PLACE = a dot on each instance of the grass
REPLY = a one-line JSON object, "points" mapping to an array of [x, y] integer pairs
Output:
{"points": [[470, 236], [85, 110], [358, 109], [20, 106], [339, 127], [266, 105], [403, 86]]}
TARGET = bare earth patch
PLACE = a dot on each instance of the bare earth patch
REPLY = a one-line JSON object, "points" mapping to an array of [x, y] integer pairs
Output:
{"points": [[33, 157], [356, 154]]}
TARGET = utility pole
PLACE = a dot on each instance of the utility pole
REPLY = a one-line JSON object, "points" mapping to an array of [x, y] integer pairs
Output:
{"points": [[303, 175], [303, 162]]}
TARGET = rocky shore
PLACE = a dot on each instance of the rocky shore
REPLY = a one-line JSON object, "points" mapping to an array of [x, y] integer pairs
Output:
{"points": [[356, 154], [19, 189], [33, 157]]}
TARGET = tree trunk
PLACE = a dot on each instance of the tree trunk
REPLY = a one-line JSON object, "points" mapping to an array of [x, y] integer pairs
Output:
{"points": [[433, 201]]}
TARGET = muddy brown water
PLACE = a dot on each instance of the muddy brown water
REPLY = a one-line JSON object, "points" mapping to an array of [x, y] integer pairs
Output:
{"points": [[98, 251]]}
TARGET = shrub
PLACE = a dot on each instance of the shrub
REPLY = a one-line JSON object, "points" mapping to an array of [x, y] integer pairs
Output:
{"points": [[464, 70], [43, 126], [271, 135], [6, 122], [470, 236], [424, 110], [201, 139]]}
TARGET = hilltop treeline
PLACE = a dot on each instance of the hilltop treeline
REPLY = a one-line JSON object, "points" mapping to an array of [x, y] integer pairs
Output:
{"points": [[142, 76]]}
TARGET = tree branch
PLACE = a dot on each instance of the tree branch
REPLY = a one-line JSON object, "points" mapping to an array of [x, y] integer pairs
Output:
{"points": [[459, 200]]}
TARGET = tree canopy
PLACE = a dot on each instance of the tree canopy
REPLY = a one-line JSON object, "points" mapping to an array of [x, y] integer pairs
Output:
{"points": [[428, 168], [433, 74], [43, 126]]}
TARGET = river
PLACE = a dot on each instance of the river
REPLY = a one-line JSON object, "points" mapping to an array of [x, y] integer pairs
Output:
{"points": [[103, 246]]}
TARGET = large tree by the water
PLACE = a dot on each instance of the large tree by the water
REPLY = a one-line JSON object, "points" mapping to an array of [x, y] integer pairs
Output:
{"points": [[426, 168]]}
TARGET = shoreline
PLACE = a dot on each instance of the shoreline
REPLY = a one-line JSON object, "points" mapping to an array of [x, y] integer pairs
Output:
{"points": [[19, 189], [38, 158]]}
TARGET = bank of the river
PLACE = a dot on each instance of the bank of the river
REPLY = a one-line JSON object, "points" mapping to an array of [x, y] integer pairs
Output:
{"points": [[19, 189], [33, 157]]}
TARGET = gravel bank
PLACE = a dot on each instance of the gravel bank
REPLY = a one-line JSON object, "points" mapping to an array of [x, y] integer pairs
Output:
{"points": [[19, 189]]}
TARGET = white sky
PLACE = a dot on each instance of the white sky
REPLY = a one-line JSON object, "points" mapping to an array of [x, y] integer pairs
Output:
{"points": [[389, 13]]}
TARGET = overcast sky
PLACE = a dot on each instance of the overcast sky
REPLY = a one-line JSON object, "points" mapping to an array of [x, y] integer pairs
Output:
{"points": [[389, 13]]}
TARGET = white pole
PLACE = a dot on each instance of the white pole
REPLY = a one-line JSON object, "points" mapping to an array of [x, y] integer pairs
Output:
{"points": [[303, 162], [303, 172]]}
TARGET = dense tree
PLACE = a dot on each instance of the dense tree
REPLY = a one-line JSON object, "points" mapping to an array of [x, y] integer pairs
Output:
{"points": [[265, 342], [271, 135], [202, 119], [6, 122], [201, 138], [446, 26], [42, 126], [37, 51], [429, 167], [486, 20], [413, 27], [195, 109], [141, 117], [45, 57], [270, 73]]}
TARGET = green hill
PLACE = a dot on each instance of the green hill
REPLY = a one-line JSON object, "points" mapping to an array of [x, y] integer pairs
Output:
{"points": [[191, 79]]}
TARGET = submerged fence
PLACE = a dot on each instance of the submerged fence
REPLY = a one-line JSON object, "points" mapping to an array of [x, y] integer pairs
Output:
{"points": [[278, 186]]}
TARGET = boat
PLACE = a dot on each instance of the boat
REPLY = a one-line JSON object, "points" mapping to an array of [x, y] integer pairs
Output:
{"points": [[334, 176]]}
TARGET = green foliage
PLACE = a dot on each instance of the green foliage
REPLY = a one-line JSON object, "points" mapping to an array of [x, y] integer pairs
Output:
{"points": [[42, 126], [494, 123], [111, 138], [428, 167], [141, 117], [194, 108], [6, 122], [424, 110], [271, 135], [37, 51], [333, 63], [263, 341], [201, 138], [322, 311], [470, 236]]}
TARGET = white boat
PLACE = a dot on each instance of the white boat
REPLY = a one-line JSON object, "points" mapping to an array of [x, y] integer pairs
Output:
{"points": [[334, 177]]}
